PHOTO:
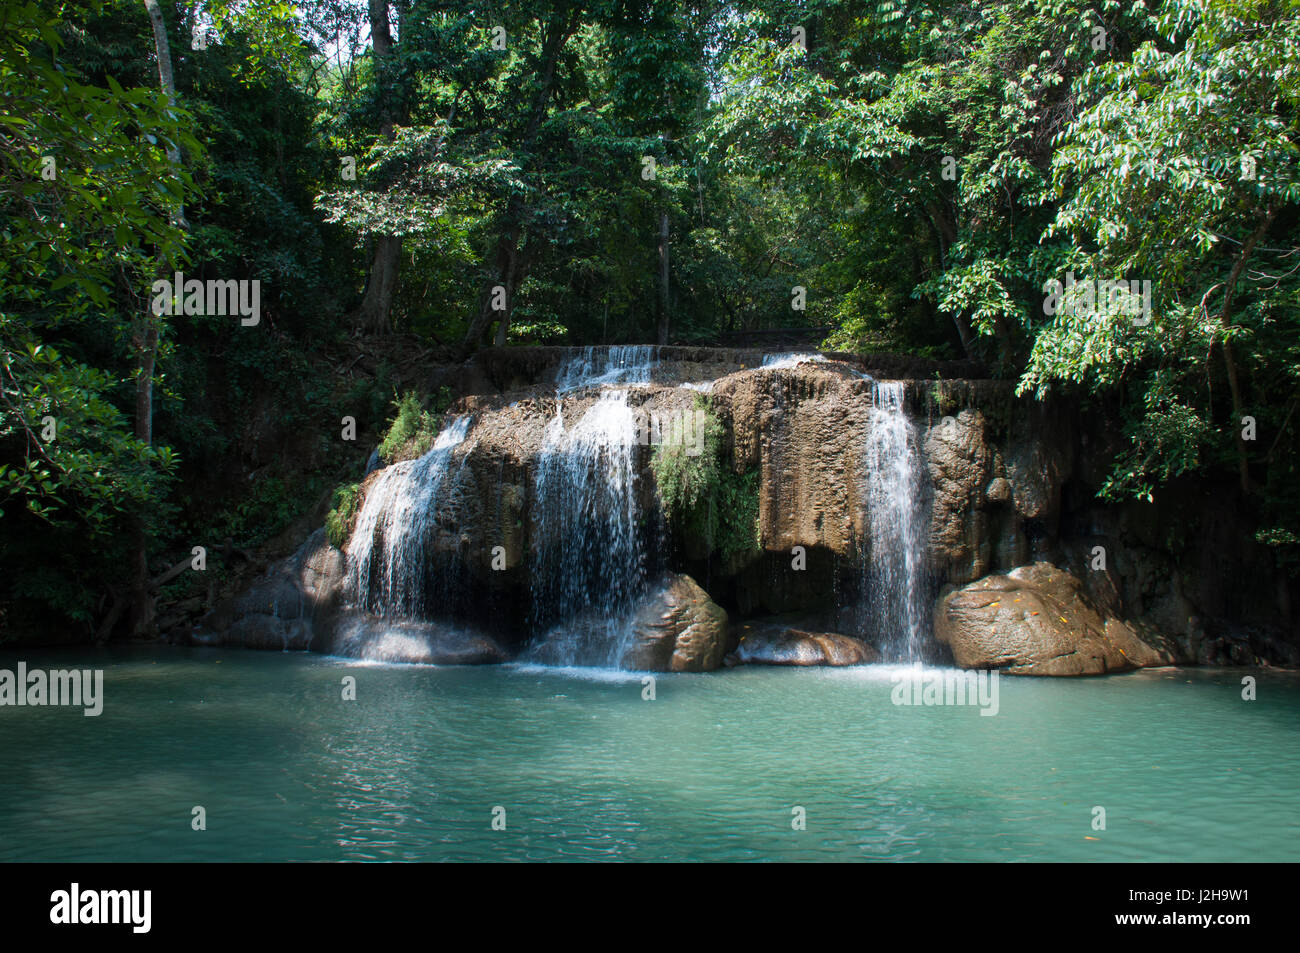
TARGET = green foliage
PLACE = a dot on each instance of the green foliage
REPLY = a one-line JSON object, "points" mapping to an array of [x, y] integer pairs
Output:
{"points": [[1177, 168], [343, 514], [267, 508], [1168, 152], [88, 200], [702, 496], [414, 428]]}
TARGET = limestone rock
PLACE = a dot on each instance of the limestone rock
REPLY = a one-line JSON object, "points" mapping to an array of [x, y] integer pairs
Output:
{"points": [[803, 429], [677, 629], [281, 610], [999, 490], [960, 461], [1037, 620], [777, 645], [362, 635]]}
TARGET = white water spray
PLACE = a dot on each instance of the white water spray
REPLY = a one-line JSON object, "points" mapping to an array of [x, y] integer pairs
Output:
{"points": [[590, 554], [895, 515], [388, 552]]}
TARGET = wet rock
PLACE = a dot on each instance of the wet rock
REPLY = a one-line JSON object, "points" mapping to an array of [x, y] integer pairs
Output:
{"points": [[1011, 482], [365, 636], [999, 490], [778, 645], [678, 628], [259, 631], [803, 429], [1037, 620]]}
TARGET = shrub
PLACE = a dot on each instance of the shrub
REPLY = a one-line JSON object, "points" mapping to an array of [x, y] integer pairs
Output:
{"points": [[412, 431], [341, 519]]}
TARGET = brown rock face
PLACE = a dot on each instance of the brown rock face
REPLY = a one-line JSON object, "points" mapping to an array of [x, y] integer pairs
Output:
{"points": [[804, 429], [677, 629], [960, 464], [1036, 620], [997, 488], [774, 645]]}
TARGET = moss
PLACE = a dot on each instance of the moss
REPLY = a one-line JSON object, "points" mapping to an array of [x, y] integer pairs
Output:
{"points": [[341, 519], [942, 398], [702, 496], [737, 529]]}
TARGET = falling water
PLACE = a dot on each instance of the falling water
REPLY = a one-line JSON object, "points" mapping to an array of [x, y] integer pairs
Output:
{"points": [[590, 554], [791, 359], [389, 569], [894, 513], [596, 366]]}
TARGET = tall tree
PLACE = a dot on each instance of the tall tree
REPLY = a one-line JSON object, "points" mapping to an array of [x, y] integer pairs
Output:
{"points": [[509, 264], [147, 332], [374, 315]]}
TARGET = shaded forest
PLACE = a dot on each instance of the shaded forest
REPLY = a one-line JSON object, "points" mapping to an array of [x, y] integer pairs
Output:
{"points": [[1094, 200]]}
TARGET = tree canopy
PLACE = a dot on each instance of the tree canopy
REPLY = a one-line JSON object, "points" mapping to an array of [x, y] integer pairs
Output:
{"points": [[1097, 200]]}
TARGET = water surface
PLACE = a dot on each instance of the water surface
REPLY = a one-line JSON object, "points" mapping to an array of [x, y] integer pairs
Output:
{"points": [[586, 769]]}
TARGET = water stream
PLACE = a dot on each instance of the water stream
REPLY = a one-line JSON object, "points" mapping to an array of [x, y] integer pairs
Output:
{"points": [[390, 570], [590, 558], [895, 514]]}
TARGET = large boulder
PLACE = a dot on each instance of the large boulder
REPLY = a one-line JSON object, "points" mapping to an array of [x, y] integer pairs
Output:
{"points": [[282, 609], [780, 645], [1037, 620], [677, 628]]}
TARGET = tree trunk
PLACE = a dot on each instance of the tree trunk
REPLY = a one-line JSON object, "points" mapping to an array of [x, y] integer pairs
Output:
{"points": [[381, 35], [147, 332], [663, 278], [375, 314], [945, 230], [509, 274], [1234, 384], [166, 78], [510, 270]]}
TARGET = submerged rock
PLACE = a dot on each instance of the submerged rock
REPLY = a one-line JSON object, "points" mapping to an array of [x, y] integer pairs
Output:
{"points": [[1037, 620], [678, 628], [777, 645]]}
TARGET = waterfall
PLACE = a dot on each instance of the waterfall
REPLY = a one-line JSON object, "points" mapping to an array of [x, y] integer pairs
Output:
{"points": [[590, 558], [388, 555], [619, 364], [893, 576], [790, 359]]}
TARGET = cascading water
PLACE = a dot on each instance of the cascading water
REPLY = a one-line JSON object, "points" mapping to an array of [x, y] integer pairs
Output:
{"points": [[791, 359], [893, 576], [388, 555], [595, 366], [590, 555]]}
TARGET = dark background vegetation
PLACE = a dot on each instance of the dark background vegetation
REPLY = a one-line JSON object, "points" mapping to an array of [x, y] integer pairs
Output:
{"points": [[1118, 140]]}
